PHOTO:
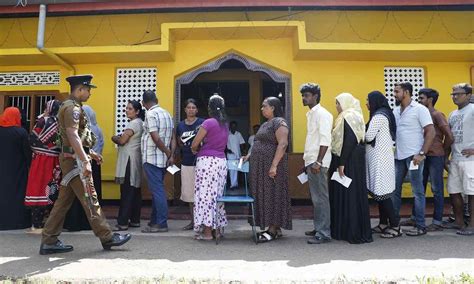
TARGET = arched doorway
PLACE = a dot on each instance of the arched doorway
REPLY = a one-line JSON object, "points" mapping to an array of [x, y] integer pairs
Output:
{"points": [[273, 83]]}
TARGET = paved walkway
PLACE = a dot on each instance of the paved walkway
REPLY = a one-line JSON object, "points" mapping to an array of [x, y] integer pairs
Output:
{"points": [[175, 256]]}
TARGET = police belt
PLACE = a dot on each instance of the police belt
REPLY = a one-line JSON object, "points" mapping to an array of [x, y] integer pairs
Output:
{"points": [[70, 150]]}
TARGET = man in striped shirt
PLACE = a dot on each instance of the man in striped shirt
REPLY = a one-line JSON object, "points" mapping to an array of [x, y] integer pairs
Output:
{"points": [[158, 147]]}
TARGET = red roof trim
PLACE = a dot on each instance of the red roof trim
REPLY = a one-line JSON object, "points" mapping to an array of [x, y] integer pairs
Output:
{"points": [[131, 5]]}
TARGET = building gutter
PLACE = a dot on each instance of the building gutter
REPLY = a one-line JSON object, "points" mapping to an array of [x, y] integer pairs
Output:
{"points": [[40, 41]]}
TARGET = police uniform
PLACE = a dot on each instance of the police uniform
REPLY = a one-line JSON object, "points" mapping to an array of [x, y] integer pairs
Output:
{"points": [[71, 115]]}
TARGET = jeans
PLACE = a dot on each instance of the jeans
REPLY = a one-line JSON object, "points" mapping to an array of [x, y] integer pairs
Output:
{"points": [[416, 180], [318, 188], [159, 211], [434, 168]]}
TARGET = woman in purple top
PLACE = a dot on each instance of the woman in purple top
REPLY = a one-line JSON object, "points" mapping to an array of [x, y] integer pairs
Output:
{"points": [[211, 171]]}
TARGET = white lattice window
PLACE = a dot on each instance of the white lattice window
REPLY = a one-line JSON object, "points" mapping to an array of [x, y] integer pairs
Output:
{"points": [[131, 83], [29, 78], [413, 75]]}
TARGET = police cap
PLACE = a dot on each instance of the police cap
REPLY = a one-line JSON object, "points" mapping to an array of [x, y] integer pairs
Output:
{"points": [[81, 80]]}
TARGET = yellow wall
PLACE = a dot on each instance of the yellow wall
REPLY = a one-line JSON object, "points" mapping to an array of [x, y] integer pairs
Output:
{"points": [[321, 26], [356, 77]]}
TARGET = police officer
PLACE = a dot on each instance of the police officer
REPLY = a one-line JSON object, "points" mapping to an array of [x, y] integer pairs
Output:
{"points": [[76, 143]]}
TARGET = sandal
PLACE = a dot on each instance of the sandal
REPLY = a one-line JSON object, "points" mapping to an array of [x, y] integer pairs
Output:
{"points": [[201, 237], [154, 229], [188, 227], [119, 228], [466, 231], [434, 228], [134, 225], [451, 226], [220, 233], [379, 229], [266, 236], [391, 232], [416, 232]]}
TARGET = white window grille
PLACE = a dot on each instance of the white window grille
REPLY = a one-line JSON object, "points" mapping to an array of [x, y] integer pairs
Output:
{"points": [[130, 85], [50, 78], [393, 75]]}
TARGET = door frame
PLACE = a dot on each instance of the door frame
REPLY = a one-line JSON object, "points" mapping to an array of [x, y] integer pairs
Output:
{"points": [[249, 65]]}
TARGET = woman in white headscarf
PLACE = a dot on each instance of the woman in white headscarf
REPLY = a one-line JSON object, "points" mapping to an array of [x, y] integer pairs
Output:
{"points": [[350, 218]]}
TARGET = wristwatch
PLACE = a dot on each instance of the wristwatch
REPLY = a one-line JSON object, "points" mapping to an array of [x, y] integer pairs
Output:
{"points": [[421, 153]]}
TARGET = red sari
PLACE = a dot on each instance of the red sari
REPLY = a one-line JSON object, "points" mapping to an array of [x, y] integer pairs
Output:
{"points": [[45, 174]]}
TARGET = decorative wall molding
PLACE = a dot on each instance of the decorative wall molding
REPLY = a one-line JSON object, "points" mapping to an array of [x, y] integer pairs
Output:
{"points": [[249, 65], [46, 78]]}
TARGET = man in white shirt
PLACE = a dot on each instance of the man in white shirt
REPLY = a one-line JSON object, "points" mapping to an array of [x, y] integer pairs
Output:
{"points": [[235, 143], [415, 134], [317, 158], [256, 127]]}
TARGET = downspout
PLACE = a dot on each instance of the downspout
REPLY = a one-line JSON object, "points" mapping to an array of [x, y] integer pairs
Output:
{"points": [[40, 42]]}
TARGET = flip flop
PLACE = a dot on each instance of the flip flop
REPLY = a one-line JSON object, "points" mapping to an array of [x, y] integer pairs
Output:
{"points": [[119, 228], [451, 226], [466, 232]]}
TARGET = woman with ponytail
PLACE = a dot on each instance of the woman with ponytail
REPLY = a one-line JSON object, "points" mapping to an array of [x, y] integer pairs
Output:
{"points": [[211, 171], [129, 167]]}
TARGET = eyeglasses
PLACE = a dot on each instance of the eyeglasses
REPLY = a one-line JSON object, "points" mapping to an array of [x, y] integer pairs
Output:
{"points": [[457, 94]]}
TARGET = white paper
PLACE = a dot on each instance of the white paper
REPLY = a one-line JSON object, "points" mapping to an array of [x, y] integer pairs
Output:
{"points": [[303, 178], [413, 167], [345, 181], [173, 169], [241, 162]]}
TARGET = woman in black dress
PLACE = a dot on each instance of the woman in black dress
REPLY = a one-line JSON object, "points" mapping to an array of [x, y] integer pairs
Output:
{"points": [[350, 220], [15, 158], [269, 173]]}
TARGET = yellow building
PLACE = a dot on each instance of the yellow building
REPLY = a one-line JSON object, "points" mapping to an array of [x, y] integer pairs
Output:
{"points": [[241, 49]]}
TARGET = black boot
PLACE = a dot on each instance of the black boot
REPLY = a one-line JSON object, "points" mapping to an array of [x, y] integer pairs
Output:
{"points": [[58, 247], [116, 240]]}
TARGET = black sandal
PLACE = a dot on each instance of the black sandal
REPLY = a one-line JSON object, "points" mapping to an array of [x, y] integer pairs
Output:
{"points": [[378, 229], [391, 232], [266, 236]]}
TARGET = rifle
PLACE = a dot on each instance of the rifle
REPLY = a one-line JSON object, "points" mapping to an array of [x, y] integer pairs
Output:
{"points": [[88, 184]]}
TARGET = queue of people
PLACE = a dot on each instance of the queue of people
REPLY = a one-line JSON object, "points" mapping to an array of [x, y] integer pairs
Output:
{"points": [[345, 160]]}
